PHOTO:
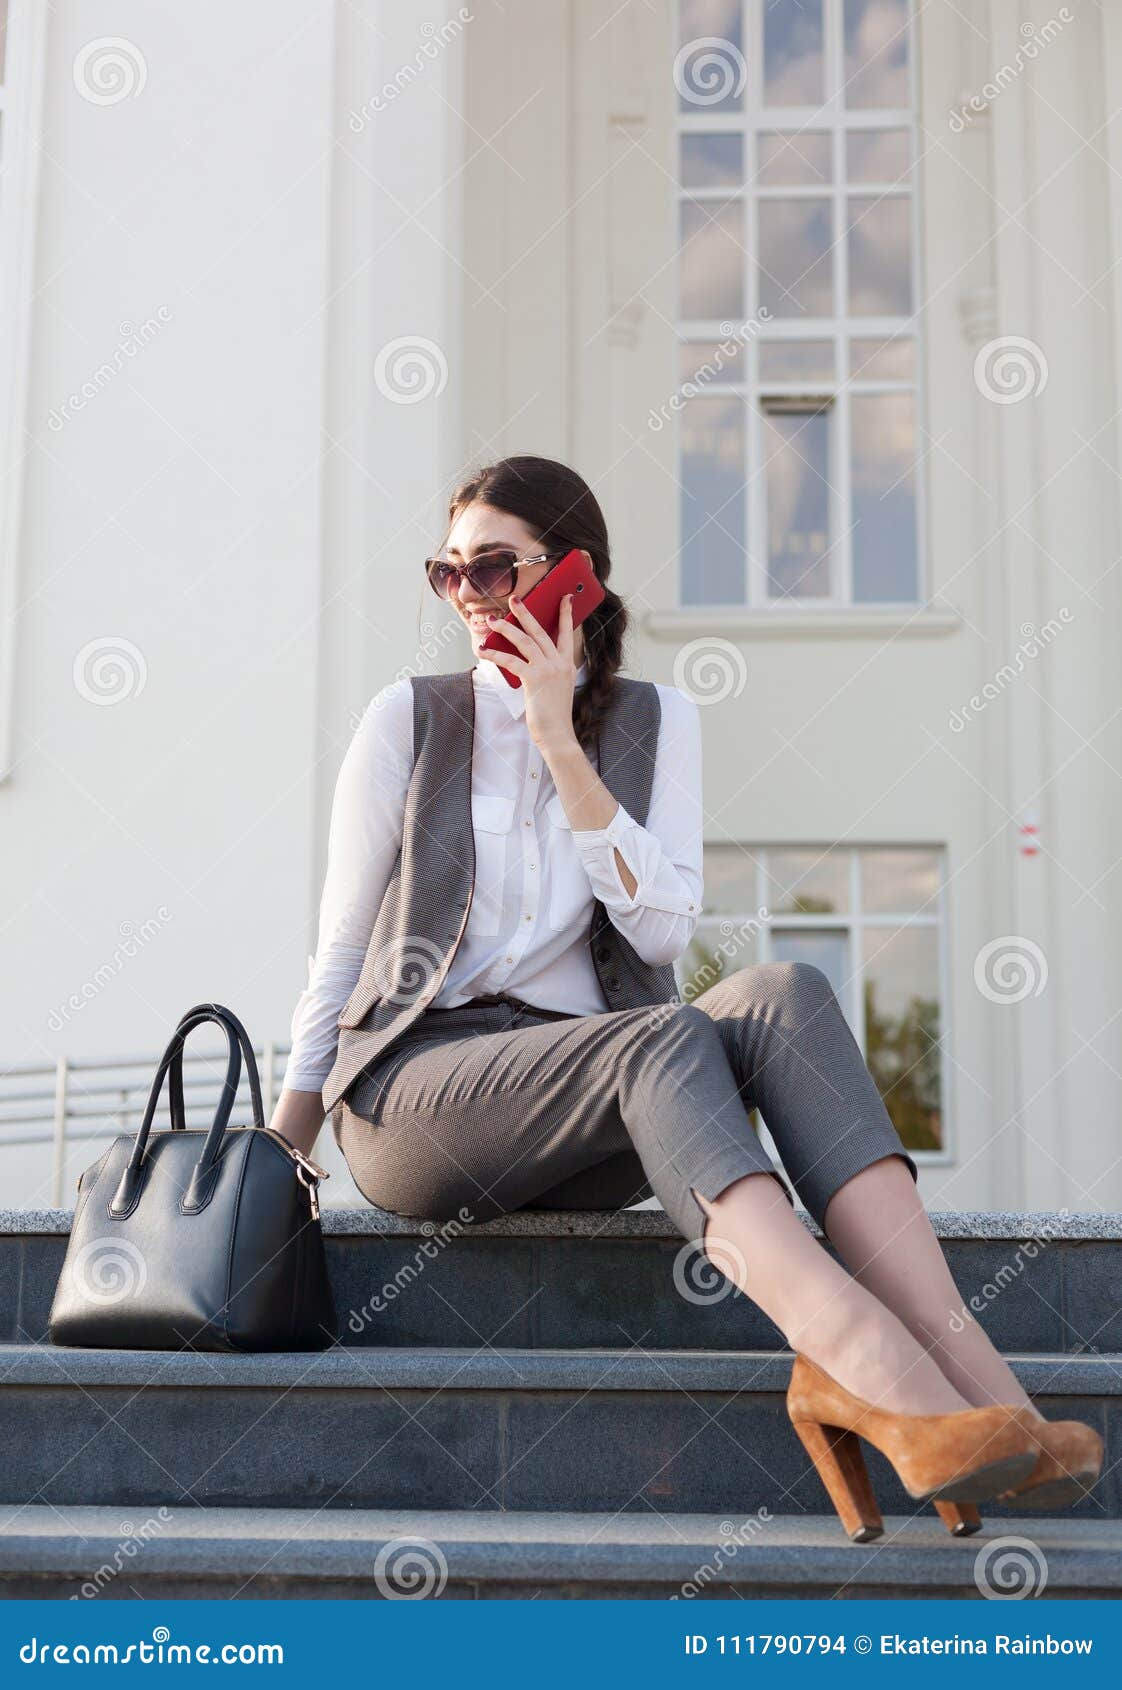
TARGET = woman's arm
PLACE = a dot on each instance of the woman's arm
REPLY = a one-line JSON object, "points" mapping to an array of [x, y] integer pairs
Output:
{"points": [[649, 878], [367, 818]]}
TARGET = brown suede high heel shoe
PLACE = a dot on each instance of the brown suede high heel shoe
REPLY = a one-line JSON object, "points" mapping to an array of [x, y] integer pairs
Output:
{"points": [[956, 1458], [1069, 1461]]}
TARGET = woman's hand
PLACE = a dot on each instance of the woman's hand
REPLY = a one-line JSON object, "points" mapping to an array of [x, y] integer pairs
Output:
{"points": [[547, 672]]}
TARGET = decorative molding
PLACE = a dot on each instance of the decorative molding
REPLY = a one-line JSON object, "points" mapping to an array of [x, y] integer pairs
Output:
{"points": [[857, 623], [977, 312]]}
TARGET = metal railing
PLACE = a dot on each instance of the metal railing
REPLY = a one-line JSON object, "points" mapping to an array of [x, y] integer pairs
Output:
{"points": [[77, 1100]]}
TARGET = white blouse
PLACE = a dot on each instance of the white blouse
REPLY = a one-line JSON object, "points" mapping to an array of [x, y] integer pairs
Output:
{"points": [[536, 876]]}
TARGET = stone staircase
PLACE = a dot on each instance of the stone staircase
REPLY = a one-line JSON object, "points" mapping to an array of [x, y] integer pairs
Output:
{"points": [[551, 1404]]}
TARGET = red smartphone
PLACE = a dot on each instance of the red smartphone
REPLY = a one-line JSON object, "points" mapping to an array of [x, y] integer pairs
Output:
{"points": [[574, 574]]}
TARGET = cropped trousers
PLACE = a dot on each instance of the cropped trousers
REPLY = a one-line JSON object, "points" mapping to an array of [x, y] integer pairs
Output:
{"points": [[496, 1106]]}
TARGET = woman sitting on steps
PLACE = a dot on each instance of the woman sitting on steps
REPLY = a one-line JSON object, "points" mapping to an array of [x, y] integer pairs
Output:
{"points": [[491, 1020]]}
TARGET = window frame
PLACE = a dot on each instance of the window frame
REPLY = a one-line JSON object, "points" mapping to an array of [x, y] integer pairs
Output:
{"points": [[837, 120], [854, 923], [21, 103]]}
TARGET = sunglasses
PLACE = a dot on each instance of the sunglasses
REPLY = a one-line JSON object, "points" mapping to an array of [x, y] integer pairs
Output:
{"points": [[491, 574]]}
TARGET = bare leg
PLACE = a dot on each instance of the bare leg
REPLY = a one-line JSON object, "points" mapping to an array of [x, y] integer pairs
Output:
{"points": [[755, 1238], [882, 1232]]}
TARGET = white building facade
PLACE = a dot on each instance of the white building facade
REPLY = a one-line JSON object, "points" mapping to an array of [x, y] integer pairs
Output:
{"points": [[824, 301]]}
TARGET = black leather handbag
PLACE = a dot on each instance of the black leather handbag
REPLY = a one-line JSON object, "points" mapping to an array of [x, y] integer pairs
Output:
{"points": [[198, 1240]]}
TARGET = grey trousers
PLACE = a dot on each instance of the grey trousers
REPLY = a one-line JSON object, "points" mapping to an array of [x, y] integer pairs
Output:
{"points": [[493, 1107]]}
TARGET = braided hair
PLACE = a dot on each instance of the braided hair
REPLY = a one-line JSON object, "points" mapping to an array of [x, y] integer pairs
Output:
{"points": [[562, 510]]}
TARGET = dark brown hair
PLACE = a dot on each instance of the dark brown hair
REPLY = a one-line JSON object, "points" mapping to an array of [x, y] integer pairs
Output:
{"points": [[564, 513]]}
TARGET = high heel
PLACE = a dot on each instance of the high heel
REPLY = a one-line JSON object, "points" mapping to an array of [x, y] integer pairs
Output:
{"points": [[961, 1519], [1068, 1462], [960, 1457]]}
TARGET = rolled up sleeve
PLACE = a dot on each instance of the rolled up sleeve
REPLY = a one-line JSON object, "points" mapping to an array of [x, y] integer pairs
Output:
{"points": [[665, 854]]}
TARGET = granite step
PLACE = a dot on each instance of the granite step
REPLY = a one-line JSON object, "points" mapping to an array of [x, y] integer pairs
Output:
{"points": [[193, 1552], [480, 1429], [1035, 1282]]}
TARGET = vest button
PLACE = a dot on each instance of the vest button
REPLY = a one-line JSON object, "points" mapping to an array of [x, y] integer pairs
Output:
{"points": [[612, 983], [602, 953]]}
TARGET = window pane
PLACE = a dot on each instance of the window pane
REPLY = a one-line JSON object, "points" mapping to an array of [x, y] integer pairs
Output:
{"points": [[794, 160], [882, 360], [899, 882], [877, 155], [807, 882], [796, 266], [826, 949], [709, 362], [880, 257], [730, 880], [712, 954], [713, 546], [712, 161], [876, 53], [884, 514], [798, 512], [900, 978], [709, 70], [797, 360], [712, 259], [793, 53]]}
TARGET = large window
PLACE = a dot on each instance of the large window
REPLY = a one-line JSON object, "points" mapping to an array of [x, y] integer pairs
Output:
{"points": [[797, 341], [870, 918]]}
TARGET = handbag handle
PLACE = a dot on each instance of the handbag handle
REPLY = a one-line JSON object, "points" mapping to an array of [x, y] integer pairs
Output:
{"points": [[195, 1018], [201, 1183]]}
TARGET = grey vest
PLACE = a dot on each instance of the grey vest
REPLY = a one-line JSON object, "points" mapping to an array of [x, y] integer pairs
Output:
{"points": [[424, 912]]}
